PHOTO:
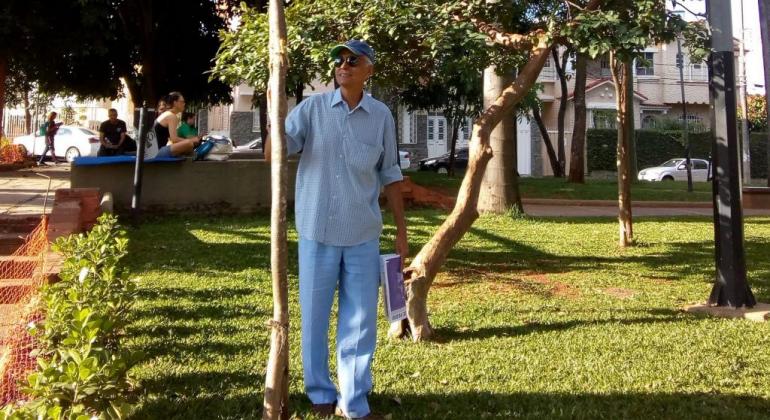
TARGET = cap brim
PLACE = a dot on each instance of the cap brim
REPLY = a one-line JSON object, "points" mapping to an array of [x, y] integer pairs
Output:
{"points": [[336, 50]]}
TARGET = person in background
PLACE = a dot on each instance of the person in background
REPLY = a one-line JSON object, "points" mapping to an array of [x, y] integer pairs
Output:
{"points": [[162, 106], [166, 126], [51, 127], [112, 135], [187, 127]]}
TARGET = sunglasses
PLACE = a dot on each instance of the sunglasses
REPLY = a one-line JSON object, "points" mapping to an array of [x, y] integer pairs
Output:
{"points": [[352, 61]]}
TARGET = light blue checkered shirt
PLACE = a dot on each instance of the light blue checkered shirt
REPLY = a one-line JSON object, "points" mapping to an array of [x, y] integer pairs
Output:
{"points": [[347, 155]]}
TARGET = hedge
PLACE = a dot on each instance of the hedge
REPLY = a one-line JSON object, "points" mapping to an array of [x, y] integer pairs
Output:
{"points": [[654, 147], [758, 155]]}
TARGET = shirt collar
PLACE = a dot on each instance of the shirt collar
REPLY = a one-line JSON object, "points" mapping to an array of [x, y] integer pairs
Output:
{"points": [[364, 104]]}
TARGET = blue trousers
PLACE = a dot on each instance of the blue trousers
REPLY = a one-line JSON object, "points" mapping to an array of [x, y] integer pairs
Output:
{"points": [[354, 270], [48, 146]]}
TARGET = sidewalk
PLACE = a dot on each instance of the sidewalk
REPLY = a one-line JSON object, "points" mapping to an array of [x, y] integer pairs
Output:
{"points": [[23, 192], [603, 208]]}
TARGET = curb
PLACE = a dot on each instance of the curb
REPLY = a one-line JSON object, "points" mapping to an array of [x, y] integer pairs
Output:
{"points": [[612, 203]]}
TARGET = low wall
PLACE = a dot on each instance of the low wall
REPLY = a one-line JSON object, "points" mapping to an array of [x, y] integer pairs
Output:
{"points": [[232, 186], [756, 198]]}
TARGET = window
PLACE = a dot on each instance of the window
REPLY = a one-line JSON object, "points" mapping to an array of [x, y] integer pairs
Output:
{"points": [[431, 129], [407, 128], [604, 64], [63, 132], [697, 71], [645, 65], [649, 122], [700, 164], [604, 118]]}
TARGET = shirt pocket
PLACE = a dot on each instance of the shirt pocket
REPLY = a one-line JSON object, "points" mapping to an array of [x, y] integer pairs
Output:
{"points": [[363, 157]]}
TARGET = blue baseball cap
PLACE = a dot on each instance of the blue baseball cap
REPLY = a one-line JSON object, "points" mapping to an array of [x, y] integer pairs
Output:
{"points": [[356, 46]]}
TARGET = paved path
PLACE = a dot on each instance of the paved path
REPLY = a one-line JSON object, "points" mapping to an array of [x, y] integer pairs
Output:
{"points": [[23, 192]]}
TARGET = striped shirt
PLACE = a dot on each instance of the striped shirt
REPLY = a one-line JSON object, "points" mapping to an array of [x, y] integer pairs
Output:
{"points": [[347, 156]]}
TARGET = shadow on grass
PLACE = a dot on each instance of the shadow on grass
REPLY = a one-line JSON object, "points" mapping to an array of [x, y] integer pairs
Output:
{"points": [[448, 335], [461, 405], [577, 405]]}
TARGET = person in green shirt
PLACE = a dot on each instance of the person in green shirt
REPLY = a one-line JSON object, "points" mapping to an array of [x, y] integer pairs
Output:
{"points": [[187, 128]]}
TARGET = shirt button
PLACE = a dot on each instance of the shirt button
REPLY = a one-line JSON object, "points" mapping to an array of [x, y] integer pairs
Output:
{"points": [[340, 156]]}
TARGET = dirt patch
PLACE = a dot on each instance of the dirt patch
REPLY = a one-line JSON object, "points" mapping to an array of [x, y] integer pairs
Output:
{"points": [[530, 283], [620, 292], [557, 288]]}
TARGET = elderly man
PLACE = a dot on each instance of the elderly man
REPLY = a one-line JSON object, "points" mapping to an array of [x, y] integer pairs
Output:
{"points": [[348, 144]]}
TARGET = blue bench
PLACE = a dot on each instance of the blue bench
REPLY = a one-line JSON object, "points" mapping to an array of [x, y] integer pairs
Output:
{"points": [[109, 160]]}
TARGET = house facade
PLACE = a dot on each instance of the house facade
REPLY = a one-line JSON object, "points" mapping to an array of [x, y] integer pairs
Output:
{"points": [[657, 95]]}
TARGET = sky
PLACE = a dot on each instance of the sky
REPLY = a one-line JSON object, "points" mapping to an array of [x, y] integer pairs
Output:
{"points": [[754, 65]]}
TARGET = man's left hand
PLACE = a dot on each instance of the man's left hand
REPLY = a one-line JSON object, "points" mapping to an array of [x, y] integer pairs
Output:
{"points": [[402, 247]]}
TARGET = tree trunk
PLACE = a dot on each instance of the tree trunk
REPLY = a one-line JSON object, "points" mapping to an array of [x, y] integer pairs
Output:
{"points": [[499, 188], [276, 402], [262, 106], [422, 271], [299, 93], [578, 153], [562, 107], [3, 86], [624, 92], [764, 25], [552, 159], [454, 124], [27, 114]]}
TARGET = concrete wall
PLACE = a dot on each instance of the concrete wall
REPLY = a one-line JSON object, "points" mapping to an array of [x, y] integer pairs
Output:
{"points": [[233, 186]]}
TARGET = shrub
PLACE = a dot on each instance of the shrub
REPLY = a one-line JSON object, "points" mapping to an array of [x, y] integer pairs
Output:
{"points": [[82, 371], [653, 147], [11, 153], [758, 155]]}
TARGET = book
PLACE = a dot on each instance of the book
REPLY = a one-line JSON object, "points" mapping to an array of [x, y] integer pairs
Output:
{"points": [[392, 280]]}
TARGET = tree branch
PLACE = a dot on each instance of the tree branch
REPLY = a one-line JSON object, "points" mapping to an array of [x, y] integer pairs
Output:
{"points": [[513, 40]]}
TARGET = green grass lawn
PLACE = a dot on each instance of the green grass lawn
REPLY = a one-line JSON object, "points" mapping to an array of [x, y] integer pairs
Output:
{"points": [[534, 318], [593, 189]]}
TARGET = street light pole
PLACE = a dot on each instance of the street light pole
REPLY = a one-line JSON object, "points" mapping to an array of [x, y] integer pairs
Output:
{"points": [[745, 138], [731, 287], [685, 123], [764, 26]]}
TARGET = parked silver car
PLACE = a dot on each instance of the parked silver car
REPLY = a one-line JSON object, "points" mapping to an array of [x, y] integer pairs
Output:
{"points": [[676, 170]]}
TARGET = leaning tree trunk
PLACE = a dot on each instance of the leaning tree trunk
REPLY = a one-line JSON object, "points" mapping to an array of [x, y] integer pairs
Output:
{"points": [[560, 66], [552, 159], [276, 403], [422, 271], [499, 187], [578, 149], [624, 92]]}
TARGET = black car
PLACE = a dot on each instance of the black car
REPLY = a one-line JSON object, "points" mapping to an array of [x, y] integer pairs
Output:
{"points": [[440, 164]]}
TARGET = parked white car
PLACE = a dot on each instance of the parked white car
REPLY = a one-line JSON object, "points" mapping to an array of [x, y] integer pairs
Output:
{"points": [[70, 142], [676, 170], [405, 159]]}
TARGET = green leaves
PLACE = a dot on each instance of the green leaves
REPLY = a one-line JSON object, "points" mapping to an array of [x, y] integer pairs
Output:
{"points": [[82, 373]]}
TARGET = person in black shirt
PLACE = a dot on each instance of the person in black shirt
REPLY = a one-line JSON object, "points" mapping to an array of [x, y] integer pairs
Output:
{"points": [[112, 135]]}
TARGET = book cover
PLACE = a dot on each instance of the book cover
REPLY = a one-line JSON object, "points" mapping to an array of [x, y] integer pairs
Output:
{"points": [[392, 279]]}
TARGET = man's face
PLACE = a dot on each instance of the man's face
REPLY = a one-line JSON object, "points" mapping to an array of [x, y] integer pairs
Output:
{"points": [[353, 76], [113, 116]]}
